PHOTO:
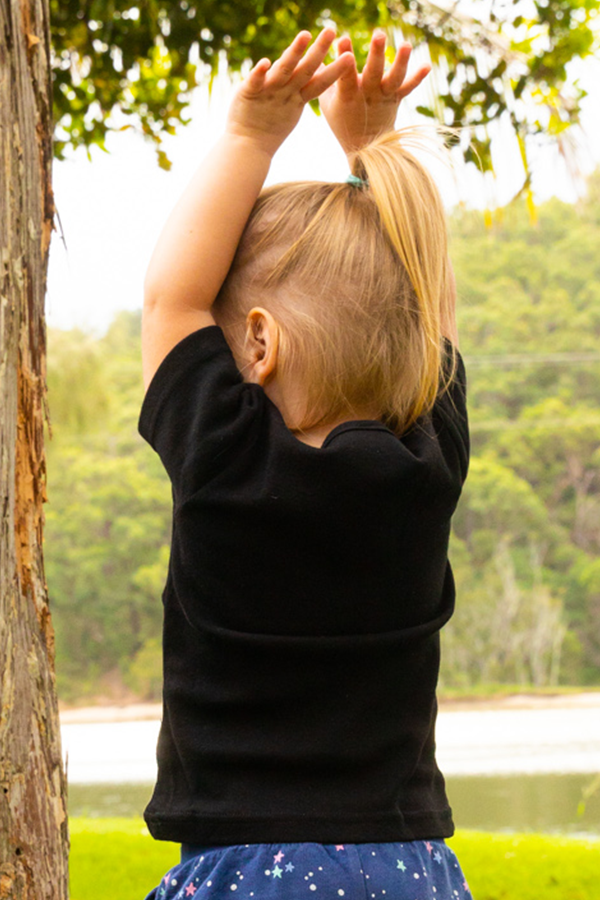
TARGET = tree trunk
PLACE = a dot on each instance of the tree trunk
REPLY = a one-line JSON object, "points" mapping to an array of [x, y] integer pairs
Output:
{"points": [[33, 820]]}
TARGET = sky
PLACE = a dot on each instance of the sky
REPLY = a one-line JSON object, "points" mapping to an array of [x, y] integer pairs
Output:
{"points": [[111, 210]]}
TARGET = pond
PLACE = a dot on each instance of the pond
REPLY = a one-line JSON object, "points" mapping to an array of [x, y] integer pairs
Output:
{"points": [[547, 803]]}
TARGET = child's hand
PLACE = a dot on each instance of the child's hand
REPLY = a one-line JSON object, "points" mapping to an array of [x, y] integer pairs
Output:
{"points": [[270, 100], [358, 108]]}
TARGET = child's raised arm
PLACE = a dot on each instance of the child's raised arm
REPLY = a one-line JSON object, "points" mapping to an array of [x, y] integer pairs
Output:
{"points": [[198, 243]]}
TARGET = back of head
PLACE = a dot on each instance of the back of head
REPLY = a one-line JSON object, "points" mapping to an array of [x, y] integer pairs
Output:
{"points": [[356, 278]]}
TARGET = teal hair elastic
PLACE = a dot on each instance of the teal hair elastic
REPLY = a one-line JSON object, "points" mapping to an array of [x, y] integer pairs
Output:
{"points": [[356, 181]]}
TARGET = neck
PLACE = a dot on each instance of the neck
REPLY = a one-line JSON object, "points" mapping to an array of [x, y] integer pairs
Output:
{"points": [[291, 405], [316, 436]]}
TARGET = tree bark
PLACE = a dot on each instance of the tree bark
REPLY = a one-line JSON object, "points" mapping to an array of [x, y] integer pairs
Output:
{"points": [[33, 820]]}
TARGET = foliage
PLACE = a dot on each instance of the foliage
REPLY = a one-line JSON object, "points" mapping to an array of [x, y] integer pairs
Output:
{"points": [[505, 62], [144, 674], [117, 858], [526, 539], [108, 517], [527, 531]]}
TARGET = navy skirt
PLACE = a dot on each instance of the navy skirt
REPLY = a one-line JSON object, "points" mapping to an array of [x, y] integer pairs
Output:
{"points": [[413, 870]]}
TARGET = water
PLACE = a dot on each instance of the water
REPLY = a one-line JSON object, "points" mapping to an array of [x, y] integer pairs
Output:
{"points": [[110, 751], [547, 803], [528, 741]]}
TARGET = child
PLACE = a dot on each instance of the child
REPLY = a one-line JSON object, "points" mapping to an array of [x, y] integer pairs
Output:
{"points": [[308, 405]]}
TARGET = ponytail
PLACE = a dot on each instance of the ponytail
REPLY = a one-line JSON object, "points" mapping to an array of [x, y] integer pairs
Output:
{"points": [[411, 211]]}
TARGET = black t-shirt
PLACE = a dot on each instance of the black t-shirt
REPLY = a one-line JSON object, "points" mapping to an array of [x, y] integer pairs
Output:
{"points": [[305, 593]]}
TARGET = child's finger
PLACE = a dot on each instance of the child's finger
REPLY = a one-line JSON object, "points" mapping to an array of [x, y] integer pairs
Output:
{"points": [[327, 76], [375, 65], [314, 57], [256, 76], [283, 69], [348, 81], [344, 45], [413, 82], [348, 84], [392, 81]]}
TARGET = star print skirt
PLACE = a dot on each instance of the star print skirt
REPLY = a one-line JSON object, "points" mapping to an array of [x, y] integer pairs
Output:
{"points": [[414, 870]]}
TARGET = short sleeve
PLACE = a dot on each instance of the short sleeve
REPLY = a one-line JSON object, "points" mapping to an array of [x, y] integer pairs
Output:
{"points": [[197, 408], [449, 413]]}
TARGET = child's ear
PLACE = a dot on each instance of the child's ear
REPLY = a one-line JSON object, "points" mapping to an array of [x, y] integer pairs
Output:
{"points": [[262, 342]]}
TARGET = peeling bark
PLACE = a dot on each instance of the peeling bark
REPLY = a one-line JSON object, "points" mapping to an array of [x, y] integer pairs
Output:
{"points": [[33, 820]]}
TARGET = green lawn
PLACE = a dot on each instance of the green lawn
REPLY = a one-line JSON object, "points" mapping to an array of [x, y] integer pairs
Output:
{"points": [[116, 859], [528, 866]]}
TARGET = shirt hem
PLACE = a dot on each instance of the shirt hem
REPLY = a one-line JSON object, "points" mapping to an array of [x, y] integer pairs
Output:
{"points": [[233, 831]]}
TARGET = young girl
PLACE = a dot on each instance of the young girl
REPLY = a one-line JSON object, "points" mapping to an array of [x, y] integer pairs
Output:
{"points": [[307, 401]]}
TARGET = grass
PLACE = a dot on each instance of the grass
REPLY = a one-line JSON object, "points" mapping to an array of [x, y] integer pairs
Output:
{"points": [[528, 866], [117, 859]]}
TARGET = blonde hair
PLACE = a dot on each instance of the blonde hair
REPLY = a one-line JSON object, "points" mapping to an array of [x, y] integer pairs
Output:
{"points": [[356, 278]]}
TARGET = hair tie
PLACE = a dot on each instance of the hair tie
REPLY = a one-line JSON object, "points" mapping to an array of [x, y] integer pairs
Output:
{"points": [[356, 181]]}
